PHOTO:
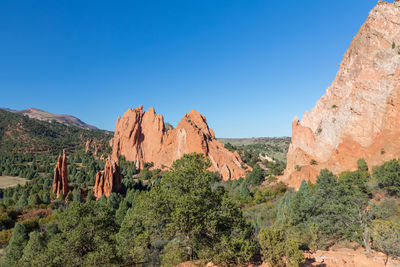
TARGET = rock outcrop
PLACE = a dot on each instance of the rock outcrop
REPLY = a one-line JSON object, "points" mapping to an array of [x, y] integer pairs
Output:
{"points": [[92, 146], [359, 116], [108, 180], [88, 145], [60, 180], [142, 137]]}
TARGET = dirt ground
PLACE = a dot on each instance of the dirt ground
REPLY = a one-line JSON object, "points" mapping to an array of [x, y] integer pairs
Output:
{"points": [[341, 257]]}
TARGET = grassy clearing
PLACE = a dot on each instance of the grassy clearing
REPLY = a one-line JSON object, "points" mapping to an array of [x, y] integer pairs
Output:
{"points": [[10, 181]]}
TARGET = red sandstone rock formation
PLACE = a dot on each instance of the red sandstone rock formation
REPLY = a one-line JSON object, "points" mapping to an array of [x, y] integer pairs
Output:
{"points": [[92, 145], [141, 137], [359, 116], [108, 180], [60, 180]]}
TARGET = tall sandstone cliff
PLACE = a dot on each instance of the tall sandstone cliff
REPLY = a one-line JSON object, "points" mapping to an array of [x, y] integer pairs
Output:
{"points": [[359, 116], [60, 179], [142, 137]]}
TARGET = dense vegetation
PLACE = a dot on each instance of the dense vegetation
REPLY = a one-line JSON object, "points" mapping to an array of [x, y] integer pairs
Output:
{"points": [[22, 134], [256, 157], [274, 147], [185, 218], [188, 213]]}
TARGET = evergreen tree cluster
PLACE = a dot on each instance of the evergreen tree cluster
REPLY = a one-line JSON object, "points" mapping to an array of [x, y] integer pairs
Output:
{"points": [[187, 213], [20, 134]]}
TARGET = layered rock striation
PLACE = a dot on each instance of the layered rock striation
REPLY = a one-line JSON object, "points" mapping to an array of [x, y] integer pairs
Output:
{"points": [[60, 180], [108, 180], [142, 137], [359, 116]]}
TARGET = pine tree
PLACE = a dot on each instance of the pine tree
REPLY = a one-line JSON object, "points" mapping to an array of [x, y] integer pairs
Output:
{"points": [[17, 243], [362, 165], [113, 201], [301, 205], [121, 212], [23, 200], [283, 216], [46, 198], [34, 247], [76, 195], [90, 196], [34, 200], [386, 237], [244, 190]]}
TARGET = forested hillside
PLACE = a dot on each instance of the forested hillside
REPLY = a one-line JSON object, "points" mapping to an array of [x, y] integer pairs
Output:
{"points": [[19, 133], [273, 147]]}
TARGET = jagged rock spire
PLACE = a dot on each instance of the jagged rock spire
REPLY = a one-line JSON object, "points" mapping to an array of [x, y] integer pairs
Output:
{"points": [[60, 180], [108, 180], [142, 137]]}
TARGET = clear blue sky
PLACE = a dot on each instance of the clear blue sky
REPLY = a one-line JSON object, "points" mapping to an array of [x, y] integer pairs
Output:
{"points": [[248, 66]]}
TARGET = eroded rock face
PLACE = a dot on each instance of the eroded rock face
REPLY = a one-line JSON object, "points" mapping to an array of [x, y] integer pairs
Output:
{"points": [[108, 180], [142, 137], [359, 116], [93, 146], [60, 180]]}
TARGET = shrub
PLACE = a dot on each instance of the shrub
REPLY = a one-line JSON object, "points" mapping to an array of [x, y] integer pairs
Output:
{"points": [[244, 189], [173, 254], [388, 176], [385, 208], [386, 237], [362, 165], [256, 176], [18, 241], [279, 250], [5, 236]]}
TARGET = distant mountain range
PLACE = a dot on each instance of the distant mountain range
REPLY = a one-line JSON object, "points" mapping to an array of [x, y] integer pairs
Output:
{"points": [[42, 115]]}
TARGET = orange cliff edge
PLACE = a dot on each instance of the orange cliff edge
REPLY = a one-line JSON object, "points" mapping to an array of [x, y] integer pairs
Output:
{"points": [[359, 115]]}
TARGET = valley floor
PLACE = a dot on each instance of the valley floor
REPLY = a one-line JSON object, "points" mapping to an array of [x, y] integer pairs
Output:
{"points": [[10, 181]]}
